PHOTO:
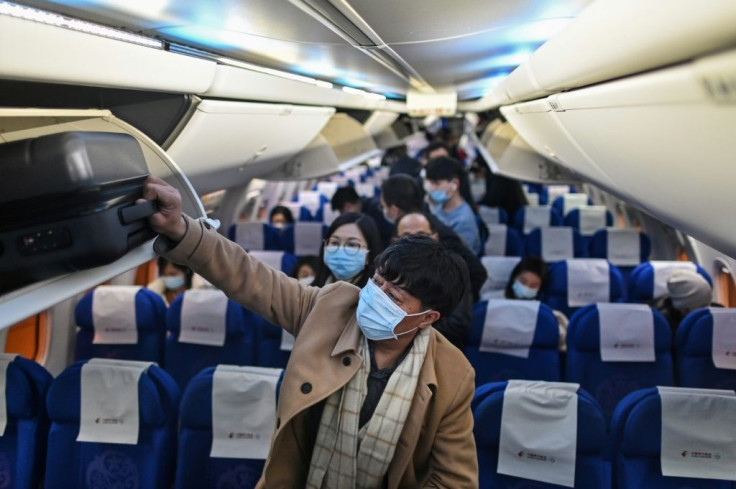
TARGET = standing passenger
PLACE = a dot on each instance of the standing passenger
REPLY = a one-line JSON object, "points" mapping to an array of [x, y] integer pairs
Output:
{"points": [[372, 397]]}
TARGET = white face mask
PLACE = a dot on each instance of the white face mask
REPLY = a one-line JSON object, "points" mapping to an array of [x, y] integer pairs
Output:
{"points": [[378, 315], [523, 292], [306, 280], [173, 283]]}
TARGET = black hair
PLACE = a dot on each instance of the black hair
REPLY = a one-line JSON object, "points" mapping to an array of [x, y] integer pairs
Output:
{"points": [[162, 262], [403, 192], [444, 168], [284, 211], [344, 195], [425, 269], [434, 146], [310, 260], [426, 215], [368, 229], [532, 264]]}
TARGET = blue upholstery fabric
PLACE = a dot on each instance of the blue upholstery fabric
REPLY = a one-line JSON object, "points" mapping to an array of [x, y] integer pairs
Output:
{"points": [[271, 237], [590, 468], [195, 468], [23, 445], [89, 465], [609, 382], [150, 315], [501, 216], [555, 292], [514, 245], [636, 430], [185, 360], [641, 282], [268, 345], [539, 189], [555, 219], [287, 261], [533, 244], [543, 362], [598, 248], [559, 204], [287, 237], [694, 354], [573, 219]]}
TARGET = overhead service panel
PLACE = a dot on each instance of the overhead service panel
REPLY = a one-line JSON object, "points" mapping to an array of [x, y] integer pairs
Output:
{"points": [[343, 143], [420, 104]]}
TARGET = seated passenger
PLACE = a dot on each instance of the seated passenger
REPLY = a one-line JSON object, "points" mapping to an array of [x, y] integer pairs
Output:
{"points": [[372, 397], [173, 279], [280, 217], [686, 291], [443, 177], [454, 326], [526, 281], [348, 251], [346, 199], [305, 269]]}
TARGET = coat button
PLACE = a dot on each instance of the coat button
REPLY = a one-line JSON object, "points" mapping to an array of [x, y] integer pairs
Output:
{"points": [[207, 225], [278, 423], [346, 361], [306, 388]]}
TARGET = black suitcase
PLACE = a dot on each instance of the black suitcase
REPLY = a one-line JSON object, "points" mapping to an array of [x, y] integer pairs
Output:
{"points": [[67, 203]]}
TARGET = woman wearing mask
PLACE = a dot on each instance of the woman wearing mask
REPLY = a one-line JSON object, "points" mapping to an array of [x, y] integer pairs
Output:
{"points": [[173, 279], [349, 250], [305, 269], [527, 279], [280, 217]]}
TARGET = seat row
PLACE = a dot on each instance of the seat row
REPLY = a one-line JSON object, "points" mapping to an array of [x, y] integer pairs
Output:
{"points": [[112, 423], [201, 328], [547, 435], [611, 349]]}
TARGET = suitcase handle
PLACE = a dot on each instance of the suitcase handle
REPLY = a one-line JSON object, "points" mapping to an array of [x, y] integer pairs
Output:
{"points": [[137, 212]]}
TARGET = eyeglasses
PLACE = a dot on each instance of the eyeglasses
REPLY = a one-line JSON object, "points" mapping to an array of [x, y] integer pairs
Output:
{"points": [[351, 247]]}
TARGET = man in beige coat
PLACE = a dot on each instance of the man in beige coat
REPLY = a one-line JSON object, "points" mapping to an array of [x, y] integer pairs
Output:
{"points": [[372, 396]]}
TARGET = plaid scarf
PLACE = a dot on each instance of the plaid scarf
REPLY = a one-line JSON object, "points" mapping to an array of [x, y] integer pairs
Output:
{"points": [[345, 457]]}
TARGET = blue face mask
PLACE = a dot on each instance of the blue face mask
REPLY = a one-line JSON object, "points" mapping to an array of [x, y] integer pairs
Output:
{"points": [[173, 283], [439, 196], [521, 291], [378, 315], [343, 265]]}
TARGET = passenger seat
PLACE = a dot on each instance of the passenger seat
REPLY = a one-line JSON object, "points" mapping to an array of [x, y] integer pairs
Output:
{"points": [[648, 281], [575, 283], [705, 349]]}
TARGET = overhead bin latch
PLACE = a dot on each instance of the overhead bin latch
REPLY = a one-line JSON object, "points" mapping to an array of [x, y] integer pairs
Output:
{"points": [[554, 103]]}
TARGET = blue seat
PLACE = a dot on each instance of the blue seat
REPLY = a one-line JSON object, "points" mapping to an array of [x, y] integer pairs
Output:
{"points": [[184, 360], [256, 235], [23, 443], [509, 244], [150, 318], [588, 220], [493, 215], [534, 244], [562, 203], [268, 344], [636, 430], [543, 215], [590, 469], [278, 260], [609, 382], [541, 190], [556, 294], [300, 212], [147, 465], [196, 469], [542, 362], [295, 245], [648, 281], [694, 352], [619, 246]]}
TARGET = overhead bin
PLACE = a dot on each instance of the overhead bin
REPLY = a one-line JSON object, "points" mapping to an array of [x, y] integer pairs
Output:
{"points": [[379, 121], [226, 144], [662, 141], [20, 124], [509, 155], [343, 143]]}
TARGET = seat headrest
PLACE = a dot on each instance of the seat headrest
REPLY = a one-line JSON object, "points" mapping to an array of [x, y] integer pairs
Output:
{"points": [[235, 324], [150, 310]]}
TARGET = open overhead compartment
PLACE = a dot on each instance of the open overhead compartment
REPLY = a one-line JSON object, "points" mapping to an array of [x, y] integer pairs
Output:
{"points": [[225, 144], [662, 141], [343, 143], [509, 155], [19, 124]]}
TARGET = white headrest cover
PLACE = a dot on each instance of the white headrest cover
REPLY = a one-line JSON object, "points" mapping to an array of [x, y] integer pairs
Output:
{"points": [[496, 244], [499, 270], [203, 317], [663, 270], [724, 337], [509, 327], [557, 244], [626, 332], [249, 235], [592, 218], [588, 281], [271, 258], [623, 247], [307, 238], [536, 217], [114, 316]]}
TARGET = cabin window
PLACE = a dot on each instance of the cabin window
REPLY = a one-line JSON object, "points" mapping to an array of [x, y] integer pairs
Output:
{"points": [[726, 287], [29, 338]]}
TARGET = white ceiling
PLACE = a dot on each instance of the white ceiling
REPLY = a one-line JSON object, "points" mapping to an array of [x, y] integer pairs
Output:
{"points": [[466, 45]]}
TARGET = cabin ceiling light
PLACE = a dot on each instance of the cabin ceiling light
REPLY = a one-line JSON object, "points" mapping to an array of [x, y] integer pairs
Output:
{"points": [[270, 71], [357, 91], [20, 12]]}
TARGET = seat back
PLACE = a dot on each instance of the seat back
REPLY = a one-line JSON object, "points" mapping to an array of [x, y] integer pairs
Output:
{"points": [[123, 322], [26, 428], [207, 329], [588, 220], [569, 201], [255, 235], [278, 260], [610, 381], [513, 339], [648, 281], [273, 344], [147, 464], [705, 349], [304, 238], [572, 284], [590, 436], [202, 464], [530, 217], [624, 247], [502, 241], [636, 430], [555, 244], [498, 269]]}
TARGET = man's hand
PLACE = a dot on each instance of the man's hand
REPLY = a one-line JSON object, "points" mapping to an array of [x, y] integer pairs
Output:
{"points": [[168, 220]]}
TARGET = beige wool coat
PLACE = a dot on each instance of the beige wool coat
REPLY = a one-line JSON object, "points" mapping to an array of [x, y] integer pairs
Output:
{"points": [[436, 447]]}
